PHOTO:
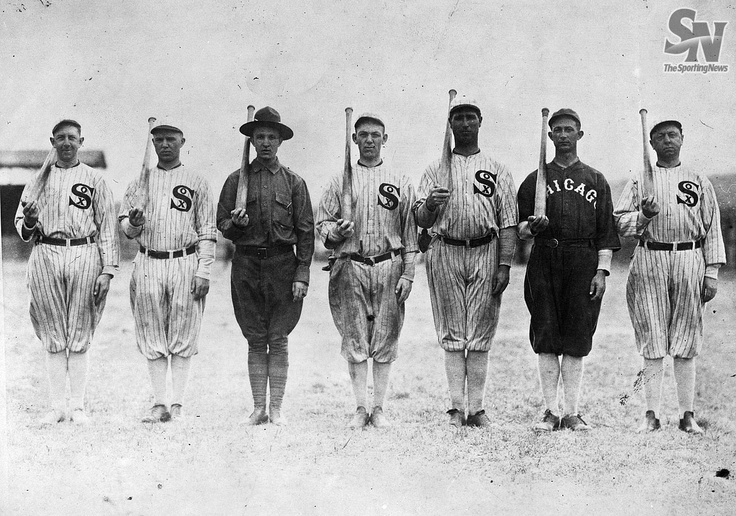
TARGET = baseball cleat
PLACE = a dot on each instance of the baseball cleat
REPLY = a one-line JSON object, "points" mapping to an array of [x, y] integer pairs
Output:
{"points": [[548, 423], [159, 414], [258, 417], [479, 420], [360, 418], [688, 424], [275, 417], [52, 417], [79, 417], [457, 418], [379, 419], [176, 411], [650, 424], [574, 422]]}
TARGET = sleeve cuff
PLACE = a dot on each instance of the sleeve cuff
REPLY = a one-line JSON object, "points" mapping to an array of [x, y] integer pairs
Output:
{"points": [[109, 269], [604, 260], [711, 271]]}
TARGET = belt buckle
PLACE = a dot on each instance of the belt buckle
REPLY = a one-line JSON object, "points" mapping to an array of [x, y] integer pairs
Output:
{"points": [[554, 243], [467, 244], [262, 253], [67, 242]]}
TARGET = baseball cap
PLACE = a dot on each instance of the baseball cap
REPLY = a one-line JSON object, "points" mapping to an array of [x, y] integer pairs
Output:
{"points": [[667, 121], [463, 101], [564, 112], [165, 125], [369, 116]]}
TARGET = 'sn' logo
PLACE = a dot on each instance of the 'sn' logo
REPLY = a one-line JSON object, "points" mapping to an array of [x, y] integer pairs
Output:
{"points": [[487, 182], [388, 196], [691, 39], [690, 190], [83, 194], [183, 195]]}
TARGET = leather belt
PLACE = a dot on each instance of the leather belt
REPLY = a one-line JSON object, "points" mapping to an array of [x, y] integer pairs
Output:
{"points": [[163, 255], [66, 242], [473, 242], [263, 252], [666, 246], [569, 242], [374, 259]]}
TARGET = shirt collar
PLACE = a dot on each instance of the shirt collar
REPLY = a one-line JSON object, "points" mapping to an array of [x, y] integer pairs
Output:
{"points": [[257, 166], [366, 166]]}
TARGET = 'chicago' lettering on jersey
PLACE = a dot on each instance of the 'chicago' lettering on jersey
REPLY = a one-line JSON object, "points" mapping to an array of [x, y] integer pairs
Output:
{"points": [[586, 192], [84, 196], [388, 196], [184, 196], [487, 182], [690, 190]]}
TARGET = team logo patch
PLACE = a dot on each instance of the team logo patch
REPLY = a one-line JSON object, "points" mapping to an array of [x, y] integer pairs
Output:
{"points": [[183, 195], [83, 194], [690, 190], [388, 196], [487, 181]]}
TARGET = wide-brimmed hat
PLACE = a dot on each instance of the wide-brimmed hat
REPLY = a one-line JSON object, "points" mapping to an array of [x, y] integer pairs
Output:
{"points": [[267, 117], [666, 121], [564, 112]]}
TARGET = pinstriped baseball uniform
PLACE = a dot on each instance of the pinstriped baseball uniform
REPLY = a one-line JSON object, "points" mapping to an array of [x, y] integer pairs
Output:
{"points": [[180, 214], [362, 296], [75, 203], [482, 202], [663, 290]]}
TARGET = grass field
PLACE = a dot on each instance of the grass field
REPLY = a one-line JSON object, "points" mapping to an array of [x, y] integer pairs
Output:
{"points": [[211, 464]]}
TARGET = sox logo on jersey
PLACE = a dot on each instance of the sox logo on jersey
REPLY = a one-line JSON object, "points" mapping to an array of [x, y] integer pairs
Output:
{"points": [[388, 196], [83, 195], [487, 182], [184, 196]]}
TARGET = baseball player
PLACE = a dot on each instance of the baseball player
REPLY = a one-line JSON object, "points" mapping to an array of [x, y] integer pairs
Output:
{"points": [[566, 274], [176, 234], [76, 254], [473, 227], [269, 282], [374, 267], [674, 270]]}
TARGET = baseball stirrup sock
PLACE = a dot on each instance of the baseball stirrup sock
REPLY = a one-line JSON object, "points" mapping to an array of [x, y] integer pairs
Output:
{"points": [[455, 371], [359, 379], [653, 379], [56, 365], [572, 378], [78, 369], [549, 378], [278, 368], [381, 371], [477, 367], [258, 374]]}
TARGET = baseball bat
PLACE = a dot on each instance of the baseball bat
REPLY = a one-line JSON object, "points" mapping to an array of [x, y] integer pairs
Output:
{"points": [[347, 176], [540, 194], [43, 176], [242, 196], [647, 187], [145, 169], [447, 144]]}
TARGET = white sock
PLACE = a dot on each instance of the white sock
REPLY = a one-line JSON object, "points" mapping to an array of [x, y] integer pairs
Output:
{"points": [[549, 377], [78, 369], [685, 380], [572, 378], [476, 366], [455, 371], [56, 367], [381, 372], [179, 378], [359, 379], [653, 379], [157, 372]]}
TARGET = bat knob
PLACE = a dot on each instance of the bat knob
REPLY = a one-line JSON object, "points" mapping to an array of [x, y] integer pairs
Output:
{"points": [[151, 120], [545, 112], [348, 110], [642, 111]]}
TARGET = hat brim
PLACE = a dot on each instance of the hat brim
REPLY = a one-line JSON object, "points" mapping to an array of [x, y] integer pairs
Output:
{"points": [[664, 122], [248, 128]]}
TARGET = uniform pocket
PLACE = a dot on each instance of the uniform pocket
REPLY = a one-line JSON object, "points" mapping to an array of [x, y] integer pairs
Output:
{"points": [[283, 211]]}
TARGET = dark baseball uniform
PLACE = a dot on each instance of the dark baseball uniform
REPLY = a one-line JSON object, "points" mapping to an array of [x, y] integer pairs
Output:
{"points": [[564, 257], [265, 266]]}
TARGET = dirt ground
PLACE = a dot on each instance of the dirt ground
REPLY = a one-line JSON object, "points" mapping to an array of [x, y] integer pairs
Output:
{"points": [[211, 464]]}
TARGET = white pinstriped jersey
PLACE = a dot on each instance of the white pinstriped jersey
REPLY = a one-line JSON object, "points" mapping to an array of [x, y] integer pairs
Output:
{"points": [[688, 211], [382, 201], [76, 203], [180, 211], [482, 200]]}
